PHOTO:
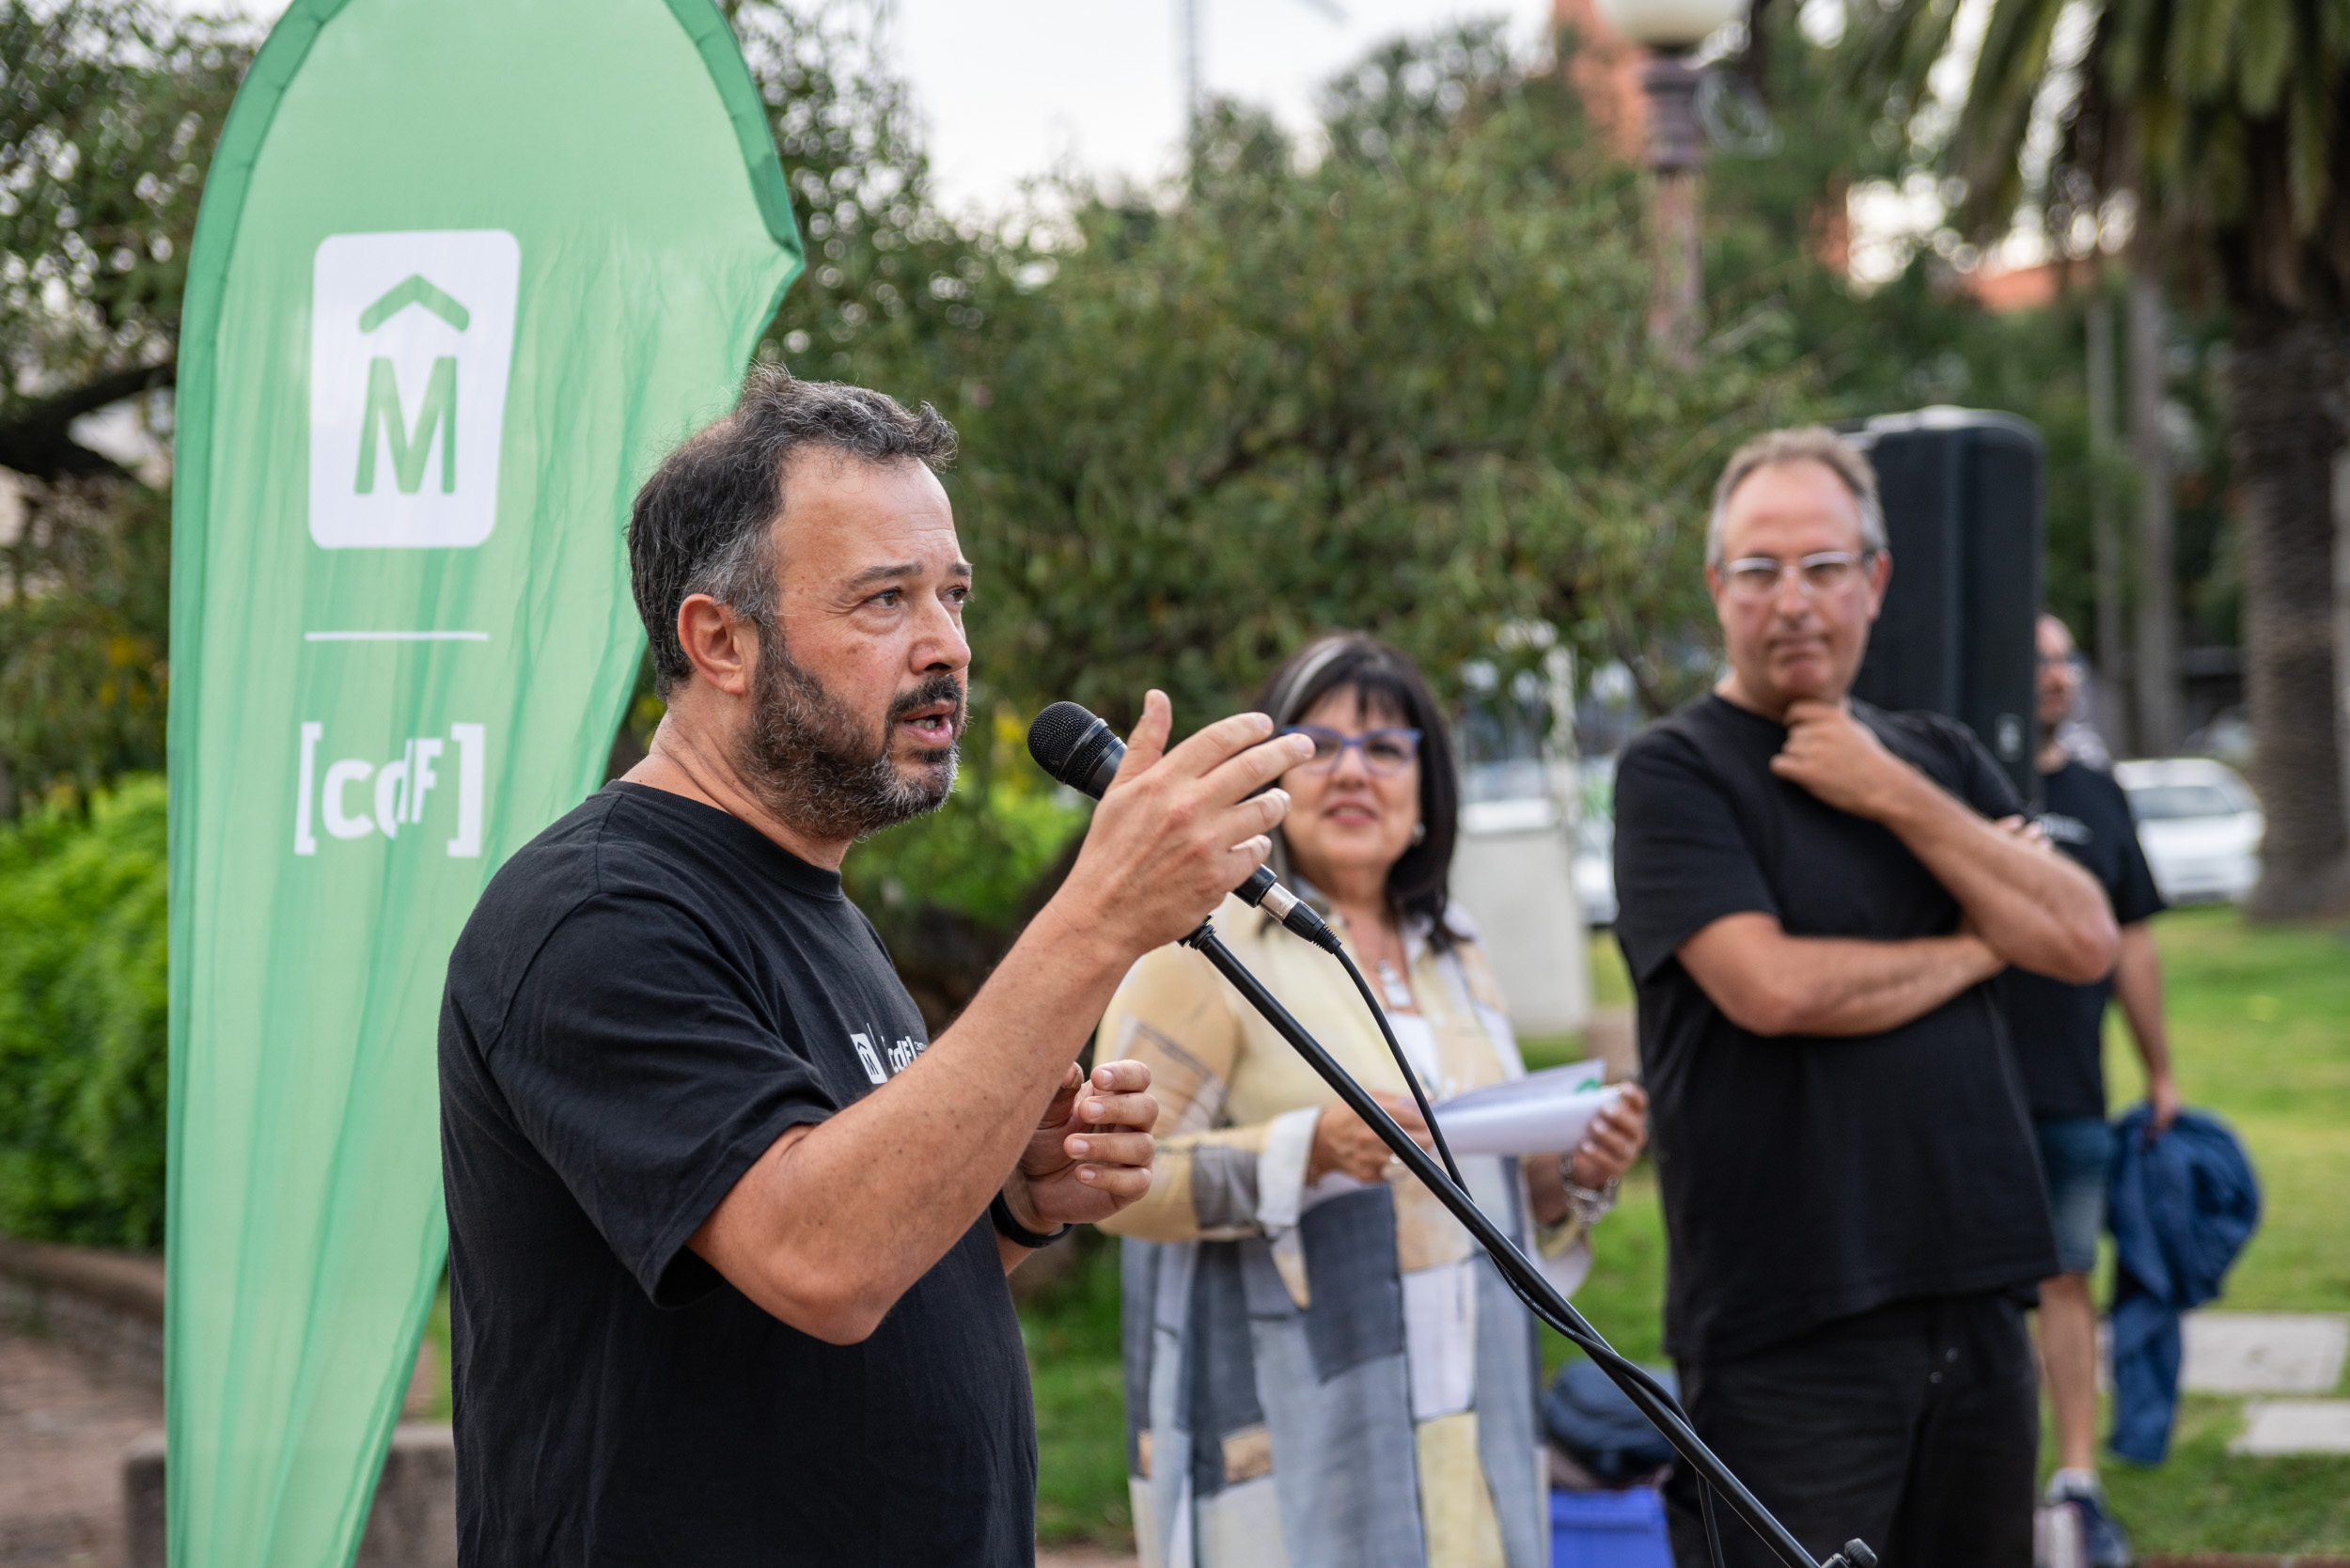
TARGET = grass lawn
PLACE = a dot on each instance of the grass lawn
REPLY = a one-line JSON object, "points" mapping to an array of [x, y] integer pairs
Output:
{"points": [[1079, 1382], [2259, 1021], [2260, 1024]]}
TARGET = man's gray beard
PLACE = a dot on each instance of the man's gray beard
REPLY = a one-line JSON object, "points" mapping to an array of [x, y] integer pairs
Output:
{"points": [[817, 768]]}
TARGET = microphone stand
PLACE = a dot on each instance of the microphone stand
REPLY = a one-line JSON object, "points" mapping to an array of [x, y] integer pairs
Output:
{"points": [[1529, 1282]]}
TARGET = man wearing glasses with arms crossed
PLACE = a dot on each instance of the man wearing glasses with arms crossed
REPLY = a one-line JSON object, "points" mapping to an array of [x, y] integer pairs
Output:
{"points": [[1814, 895]]}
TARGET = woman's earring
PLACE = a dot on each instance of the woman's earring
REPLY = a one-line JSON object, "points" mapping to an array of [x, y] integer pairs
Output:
{"points": [[1419, 832]]}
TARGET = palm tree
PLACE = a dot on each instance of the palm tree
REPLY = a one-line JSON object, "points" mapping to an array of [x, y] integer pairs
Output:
{"points": [[2222, 118]]}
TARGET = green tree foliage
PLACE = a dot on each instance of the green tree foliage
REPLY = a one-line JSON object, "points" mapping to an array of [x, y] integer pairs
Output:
{"points": [[83, 1072], [1407, 387], [108, 113], [886, 270], [887, 276], [2222, 122], [1776, 233], [84, 609]]}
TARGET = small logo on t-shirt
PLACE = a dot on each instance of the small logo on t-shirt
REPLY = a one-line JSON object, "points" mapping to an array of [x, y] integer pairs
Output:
{"points": [[901, 1055], [2062, 829]]}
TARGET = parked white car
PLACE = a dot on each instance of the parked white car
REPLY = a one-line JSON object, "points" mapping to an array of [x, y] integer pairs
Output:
{"points": [[2199, 826]]}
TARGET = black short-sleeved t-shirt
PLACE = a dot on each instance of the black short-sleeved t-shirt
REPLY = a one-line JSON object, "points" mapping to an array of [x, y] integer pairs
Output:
{"points": [[1809, 1178], [2058, 1027], [649, 993]]}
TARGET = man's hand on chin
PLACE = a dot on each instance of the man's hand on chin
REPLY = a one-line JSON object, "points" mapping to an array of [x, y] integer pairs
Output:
{"points": [[1840, 759], [1090, 1154]]}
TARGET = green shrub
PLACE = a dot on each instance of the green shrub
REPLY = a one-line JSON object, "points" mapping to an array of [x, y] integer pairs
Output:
{"points": [[82, 1000]]}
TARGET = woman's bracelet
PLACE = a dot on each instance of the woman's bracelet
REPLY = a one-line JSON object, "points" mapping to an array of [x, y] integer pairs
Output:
{"points": [[1590, 1203]]}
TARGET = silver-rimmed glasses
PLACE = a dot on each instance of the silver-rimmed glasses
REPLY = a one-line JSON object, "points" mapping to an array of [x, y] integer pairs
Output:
{"points": [[1755, 578]]}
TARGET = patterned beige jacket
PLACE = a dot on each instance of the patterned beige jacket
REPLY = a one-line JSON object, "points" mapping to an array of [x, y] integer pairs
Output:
{"points": [[1333, 1372]]}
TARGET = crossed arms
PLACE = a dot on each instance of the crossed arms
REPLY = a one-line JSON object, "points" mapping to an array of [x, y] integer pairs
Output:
{"points": [[2024, 904]]}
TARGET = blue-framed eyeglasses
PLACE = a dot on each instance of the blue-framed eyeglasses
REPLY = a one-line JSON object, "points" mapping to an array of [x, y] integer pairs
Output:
{"points": [[1384, 751]]}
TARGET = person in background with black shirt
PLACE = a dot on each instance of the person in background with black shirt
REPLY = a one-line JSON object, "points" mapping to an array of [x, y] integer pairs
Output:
{"points": [[1814, 894], [2058, 1031], [728, 1233]]}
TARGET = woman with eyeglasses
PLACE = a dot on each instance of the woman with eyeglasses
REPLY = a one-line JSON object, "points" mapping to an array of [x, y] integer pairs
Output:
{"points": [[1321, 1364]]}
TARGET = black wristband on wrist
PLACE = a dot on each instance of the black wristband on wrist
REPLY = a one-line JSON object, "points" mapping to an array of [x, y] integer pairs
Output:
{"points": [[1017, 1234]]}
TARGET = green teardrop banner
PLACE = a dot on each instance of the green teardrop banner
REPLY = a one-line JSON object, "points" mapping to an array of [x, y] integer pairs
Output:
{"points": [[465, 268]]}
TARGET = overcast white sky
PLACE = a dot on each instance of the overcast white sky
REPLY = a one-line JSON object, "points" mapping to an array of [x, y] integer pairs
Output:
{"points": [[1016, 88], [1012, 89]]}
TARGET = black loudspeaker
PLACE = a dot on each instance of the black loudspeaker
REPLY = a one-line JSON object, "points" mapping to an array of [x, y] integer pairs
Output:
{"points": [[1963, 514]]}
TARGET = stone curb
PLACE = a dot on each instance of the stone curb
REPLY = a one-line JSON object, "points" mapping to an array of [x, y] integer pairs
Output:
{"points": [[108, 1306], [411, 1523]]}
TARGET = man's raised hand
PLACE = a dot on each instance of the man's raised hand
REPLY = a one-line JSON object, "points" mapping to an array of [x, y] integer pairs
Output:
{"points": [[1840, 759], [1179, 828], [2027, 905]]}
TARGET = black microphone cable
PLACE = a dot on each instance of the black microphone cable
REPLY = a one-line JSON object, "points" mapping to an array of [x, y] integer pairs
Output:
{"points": [[1589, 1343], [1654, 1400], [1395, 1049]]}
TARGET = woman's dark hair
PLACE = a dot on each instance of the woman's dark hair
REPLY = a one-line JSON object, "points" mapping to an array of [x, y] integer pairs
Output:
{"points": [[1385, 678]]}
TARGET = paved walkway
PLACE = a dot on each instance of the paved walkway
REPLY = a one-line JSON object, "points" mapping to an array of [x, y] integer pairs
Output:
{"points": [[2264, 1352], [2295, 1426], [62, 1433]]}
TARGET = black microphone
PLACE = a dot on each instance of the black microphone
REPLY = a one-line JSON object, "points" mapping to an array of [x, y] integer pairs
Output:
{"points": [[1082, 751]]}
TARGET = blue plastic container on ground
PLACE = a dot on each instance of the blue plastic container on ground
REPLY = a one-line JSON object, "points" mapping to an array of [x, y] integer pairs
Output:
{"points": [[1609, 1530]]}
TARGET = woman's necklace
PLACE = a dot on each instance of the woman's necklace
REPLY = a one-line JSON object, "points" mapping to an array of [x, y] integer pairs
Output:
{"points": [[1390, 972], [1399, 995], [1381, 947]]}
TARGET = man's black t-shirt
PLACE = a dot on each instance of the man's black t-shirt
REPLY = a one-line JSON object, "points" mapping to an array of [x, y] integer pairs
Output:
{"points": [[1809, 1178], [649, 992], [2058, 1028]]}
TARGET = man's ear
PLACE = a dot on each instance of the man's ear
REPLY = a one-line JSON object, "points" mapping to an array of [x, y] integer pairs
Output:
{"points": [[723, 646], [1880, 576]]}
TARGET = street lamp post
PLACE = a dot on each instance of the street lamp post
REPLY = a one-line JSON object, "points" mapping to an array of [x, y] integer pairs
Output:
{"points": [[1670, 30]]}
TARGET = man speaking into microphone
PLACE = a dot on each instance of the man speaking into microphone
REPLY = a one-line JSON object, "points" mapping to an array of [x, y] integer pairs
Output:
{"points": [[728, 1233]]}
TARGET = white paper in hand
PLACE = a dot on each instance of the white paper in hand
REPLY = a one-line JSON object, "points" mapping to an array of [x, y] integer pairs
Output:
{"points": [[1545, 1112]]}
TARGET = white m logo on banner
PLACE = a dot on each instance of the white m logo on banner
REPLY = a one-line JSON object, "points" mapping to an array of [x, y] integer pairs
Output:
{"points": [[421, 320]]}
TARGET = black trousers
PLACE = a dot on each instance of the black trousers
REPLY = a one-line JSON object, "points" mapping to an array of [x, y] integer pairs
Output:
{"points": [[1914, 1427]]}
